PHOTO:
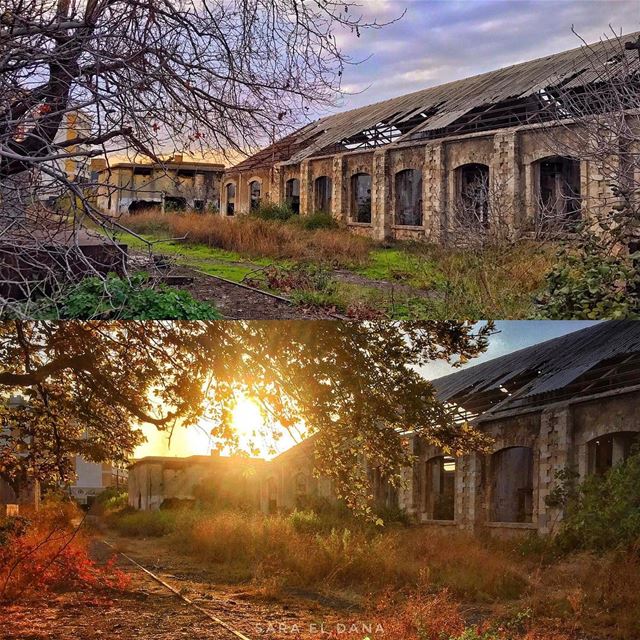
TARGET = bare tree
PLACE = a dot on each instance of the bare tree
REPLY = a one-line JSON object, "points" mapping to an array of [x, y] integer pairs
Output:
{"points": [[592, 122], [79, 78], [592, 127]]}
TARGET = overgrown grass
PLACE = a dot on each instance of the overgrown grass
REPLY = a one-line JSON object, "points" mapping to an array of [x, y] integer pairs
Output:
{"points": [[47, 552], [498, 281], [254, 237], [304, 551], [413, 579]]}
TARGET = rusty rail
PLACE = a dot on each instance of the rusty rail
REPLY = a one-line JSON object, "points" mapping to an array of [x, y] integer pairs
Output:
{"points": [[242, 285], [175, 591]]}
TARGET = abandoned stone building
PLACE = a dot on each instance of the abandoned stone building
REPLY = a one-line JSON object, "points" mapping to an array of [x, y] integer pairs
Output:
{"points": [[158, 481], [570, 402], [426, 164], [176, 184], [284, 483]]}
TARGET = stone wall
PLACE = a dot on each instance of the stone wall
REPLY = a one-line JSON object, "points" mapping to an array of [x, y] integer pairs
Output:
{"points": [[511, 156], [559, 437], [227, 481]]}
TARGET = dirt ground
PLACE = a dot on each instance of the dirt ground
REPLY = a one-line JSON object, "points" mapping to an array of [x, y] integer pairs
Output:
{"points": [[240, 303], [149, 610]]}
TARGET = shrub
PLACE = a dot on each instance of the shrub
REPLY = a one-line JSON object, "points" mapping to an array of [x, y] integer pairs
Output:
{"points": [[305, 521], [271, 211], [604, 512], [111, 499], [130, 299], [317, 220], [589, 281], [49, 553]]}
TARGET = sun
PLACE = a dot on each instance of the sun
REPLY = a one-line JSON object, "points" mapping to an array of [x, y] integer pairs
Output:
{"points": [[255, 436], [247, 420]]}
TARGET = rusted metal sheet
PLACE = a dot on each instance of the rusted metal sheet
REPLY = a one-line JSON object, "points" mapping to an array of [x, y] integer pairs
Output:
{"points": [[546, 367]]}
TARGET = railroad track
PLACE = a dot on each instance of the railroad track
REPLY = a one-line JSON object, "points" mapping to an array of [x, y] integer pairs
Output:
{"points": [[178, 276], [234, 632], [255, 290]]}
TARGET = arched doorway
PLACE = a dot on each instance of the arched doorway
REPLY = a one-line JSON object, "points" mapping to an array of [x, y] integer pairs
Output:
{"points": [[511, 475], [230, 197], [440, 476], [558, 191], [292, 194], [255, 191], [472, 198], [606, 451], [361, 198], [322, 188]]}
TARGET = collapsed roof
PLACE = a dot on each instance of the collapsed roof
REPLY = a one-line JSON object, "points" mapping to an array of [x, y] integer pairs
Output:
{"points": [[507, 97], [586, 362]]}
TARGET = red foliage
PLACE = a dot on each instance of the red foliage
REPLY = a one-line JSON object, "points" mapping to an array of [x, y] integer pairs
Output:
{"points": [[49, 558]]}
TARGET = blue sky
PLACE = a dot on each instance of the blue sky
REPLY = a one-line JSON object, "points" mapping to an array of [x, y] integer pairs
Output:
{"points": [[512, 335], [440, 41]]}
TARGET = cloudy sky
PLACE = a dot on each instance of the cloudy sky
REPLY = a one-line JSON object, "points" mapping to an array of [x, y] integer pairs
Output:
{"points": [[439, 41]]}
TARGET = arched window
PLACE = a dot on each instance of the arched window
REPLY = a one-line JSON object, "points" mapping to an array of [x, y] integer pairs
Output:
{"points": [[230, 194], [322, 194], [292, 194], [361, 198], [558, 191], [408, 197], [254, 194], [472, 198], [609, 450], [512, 485], [440, 475]]}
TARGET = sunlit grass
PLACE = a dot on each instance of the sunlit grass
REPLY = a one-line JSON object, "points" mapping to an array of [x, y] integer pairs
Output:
{"points": [[333, 550]]}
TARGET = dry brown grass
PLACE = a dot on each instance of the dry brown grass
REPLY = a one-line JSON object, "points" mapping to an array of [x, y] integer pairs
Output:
{"points": [[420, 580], [320, 551], [253, 237]]}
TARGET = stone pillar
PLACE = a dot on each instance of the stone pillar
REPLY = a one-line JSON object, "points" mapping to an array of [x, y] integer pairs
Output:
{"points": [[505, 188], [277, 187], [306, 189], [433, 187], [554, 447], [410, 481], [380, 196], [468, 491], [339, 190]]}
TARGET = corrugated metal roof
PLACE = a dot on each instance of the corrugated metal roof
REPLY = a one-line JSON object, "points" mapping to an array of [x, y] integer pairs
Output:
{"points": [[554, 364], [444, 104]]}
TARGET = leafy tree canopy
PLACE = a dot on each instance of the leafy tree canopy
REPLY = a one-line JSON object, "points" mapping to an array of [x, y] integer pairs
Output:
{"points": [[356, 386]]}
